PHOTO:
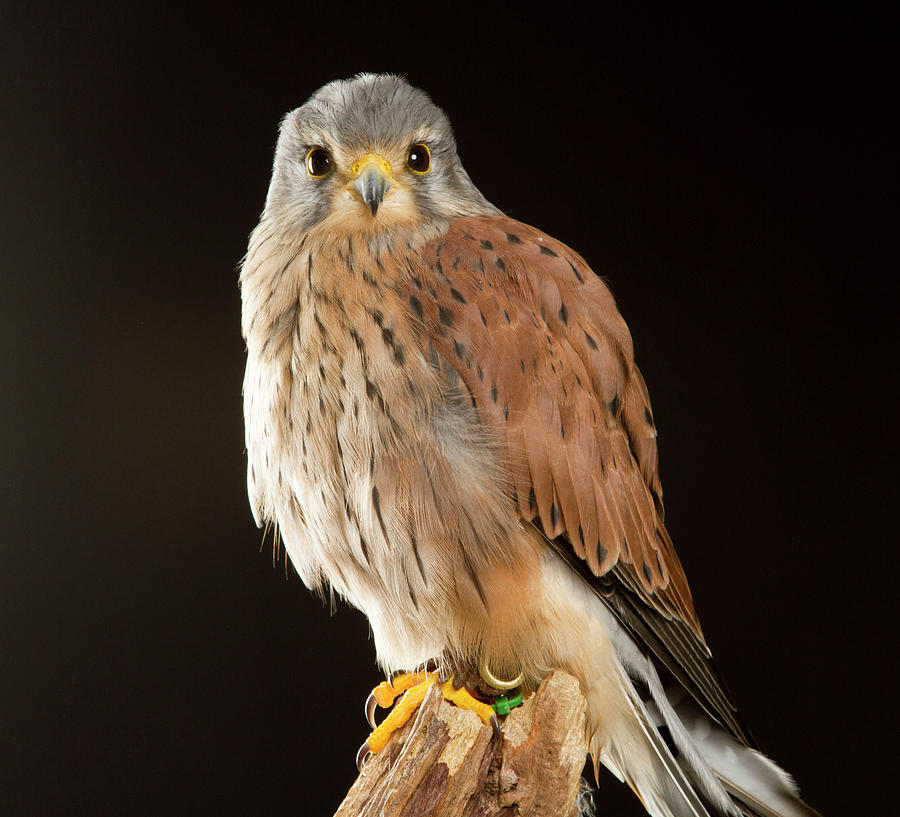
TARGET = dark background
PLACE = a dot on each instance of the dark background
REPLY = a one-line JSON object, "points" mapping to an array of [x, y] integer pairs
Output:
{"points": [[732, 177]]}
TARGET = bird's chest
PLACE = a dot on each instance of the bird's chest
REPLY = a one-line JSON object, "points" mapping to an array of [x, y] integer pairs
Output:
{"points": [[346, 389]]}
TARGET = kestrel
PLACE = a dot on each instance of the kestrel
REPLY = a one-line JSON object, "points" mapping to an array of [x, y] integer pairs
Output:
{"points": [[446, 424]]}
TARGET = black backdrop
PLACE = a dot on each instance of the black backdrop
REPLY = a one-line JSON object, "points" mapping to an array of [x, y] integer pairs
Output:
{"points": [[730, 176]]}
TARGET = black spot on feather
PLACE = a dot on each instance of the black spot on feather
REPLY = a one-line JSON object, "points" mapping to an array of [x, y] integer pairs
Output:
{"points": [[470, 569], [376, 503], [374, 393], [548, 251], [577, 273], [365, 548], [415, 548], [409, 588]]}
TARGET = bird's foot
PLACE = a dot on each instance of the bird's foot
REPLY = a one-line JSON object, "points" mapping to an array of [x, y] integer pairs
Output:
{"points": [[413, 686], [464, 700]]}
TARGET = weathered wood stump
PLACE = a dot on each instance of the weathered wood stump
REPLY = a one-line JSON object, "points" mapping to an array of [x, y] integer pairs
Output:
{"points": [[446, 763]]}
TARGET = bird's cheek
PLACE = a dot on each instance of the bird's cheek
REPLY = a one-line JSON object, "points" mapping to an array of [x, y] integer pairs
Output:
{"points": [[398, 207]]}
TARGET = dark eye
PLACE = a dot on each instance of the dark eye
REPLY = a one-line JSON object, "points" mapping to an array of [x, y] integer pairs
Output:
{"points": [[419, 158], [318, 162]]}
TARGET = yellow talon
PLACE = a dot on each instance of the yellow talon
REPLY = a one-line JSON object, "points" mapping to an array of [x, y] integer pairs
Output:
{"points": [[461, 698], [400, 714], [385, 693], [414, 686], [407, 680]]}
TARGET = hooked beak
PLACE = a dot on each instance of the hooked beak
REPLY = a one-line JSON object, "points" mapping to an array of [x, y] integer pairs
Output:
{"points": [[372, 180]]}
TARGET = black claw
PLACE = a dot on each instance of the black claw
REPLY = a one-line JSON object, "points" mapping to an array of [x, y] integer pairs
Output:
{"points": [[371, 703], [495, 723], [362, 756]]}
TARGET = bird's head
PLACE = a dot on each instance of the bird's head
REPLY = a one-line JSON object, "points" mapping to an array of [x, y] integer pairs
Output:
{"points": [[366, 155]]}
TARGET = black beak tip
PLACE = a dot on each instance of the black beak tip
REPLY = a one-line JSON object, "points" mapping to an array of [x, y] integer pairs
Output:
{"points": [[372, 188], [374, 195]]}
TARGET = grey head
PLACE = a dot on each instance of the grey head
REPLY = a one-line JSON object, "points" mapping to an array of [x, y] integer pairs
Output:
{"points": [[365, 155]]}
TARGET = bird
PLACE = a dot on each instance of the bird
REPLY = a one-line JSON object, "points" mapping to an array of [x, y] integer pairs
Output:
{"points": [[445, 424]]}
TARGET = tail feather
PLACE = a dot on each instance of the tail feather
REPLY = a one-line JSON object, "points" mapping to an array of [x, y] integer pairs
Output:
{"points": [[702, 770], [753, 781], [750, 806], [652, 771]]}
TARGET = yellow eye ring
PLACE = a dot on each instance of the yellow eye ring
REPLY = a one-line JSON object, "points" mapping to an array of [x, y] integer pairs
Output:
{"points": [[318, 162], [418, 159]]}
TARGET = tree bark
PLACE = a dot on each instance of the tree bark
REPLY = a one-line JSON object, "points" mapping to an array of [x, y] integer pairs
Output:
{"points": [[446, 763]]}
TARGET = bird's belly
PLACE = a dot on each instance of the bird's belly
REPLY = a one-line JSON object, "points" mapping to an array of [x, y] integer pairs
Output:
{"points": [[384, 487], [382, 524], [329, 454]]}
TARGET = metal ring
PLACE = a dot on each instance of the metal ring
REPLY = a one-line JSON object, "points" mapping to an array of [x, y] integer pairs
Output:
{"points": [[492, 680]]}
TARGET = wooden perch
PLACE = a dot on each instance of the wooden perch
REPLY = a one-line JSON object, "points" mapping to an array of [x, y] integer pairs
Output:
{"points": [[446, 763]]}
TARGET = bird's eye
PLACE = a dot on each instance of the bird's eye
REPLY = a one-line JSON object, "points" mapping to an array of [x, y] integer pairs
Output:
{"points": [[418, 160], [318, 162]]}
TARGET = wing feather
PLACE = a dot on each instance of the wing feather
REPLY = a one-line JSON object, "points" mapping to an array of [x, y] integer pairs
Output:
{"points": [[538, 341]]}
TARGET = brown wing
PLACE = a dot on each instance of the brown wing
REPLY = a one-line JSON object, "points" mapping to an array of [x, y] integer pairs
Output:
{"points": [[548, 360]]}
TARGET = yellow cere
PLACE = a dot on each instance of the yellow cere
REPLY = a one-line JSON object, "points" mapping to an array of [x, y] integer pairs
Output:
{"points": [[371, 158]]}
